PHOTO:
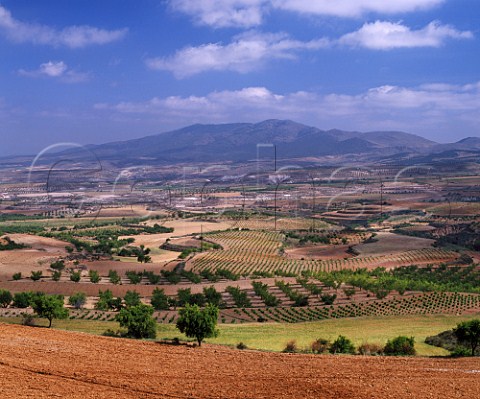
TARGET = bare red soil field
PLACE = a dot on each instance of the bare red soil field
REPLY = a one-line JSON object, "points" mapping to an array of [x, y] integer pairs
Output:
{"points": [[42, 363]]}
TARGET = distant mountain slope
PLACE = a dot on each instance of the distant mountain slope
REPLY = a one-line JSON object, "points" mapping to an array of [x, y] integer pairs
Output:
{"points": [[241, 141]]}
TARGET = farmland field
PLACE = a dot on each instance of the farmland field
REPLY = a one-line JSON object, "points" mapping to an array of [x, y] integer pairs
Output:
{"points": [[85, 366]]}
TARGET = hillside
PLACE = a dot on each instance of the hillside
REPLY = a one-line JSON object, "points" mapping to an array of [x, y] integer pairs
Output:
{"points": [[241, 142], [42, 363]]}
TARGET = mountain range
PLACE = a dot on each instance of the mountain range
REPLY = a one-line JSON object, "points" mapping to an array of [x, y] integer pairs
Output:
{"points": [[243, 142]]}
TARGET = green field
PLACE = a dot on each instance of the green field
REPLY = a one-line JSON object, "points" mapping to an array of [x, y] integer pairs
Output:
{"points": [[274, 336]]}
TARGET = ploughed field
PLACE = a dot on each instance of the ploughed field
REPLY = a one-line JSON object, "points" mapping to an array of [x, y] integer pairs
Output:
{"points": [[42, 363]]}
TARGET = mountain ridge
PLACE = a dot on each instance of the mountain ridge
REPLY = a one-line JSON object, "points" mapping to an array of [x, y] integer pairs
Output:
{"points": [[243, 142]]}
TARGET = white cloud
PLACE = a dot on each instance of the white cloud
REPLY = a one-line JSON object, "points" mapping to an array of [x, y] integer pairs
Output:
{"points": [[58, 70], [245, 53], [382, 35], [72, 36], [250, 13], [427, 108], [354, 8], [222, 13]]}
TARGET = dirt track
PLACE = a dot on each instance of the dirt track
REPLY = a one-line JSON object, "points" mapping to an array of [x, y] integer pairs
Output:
{"points": [[41, 363]]}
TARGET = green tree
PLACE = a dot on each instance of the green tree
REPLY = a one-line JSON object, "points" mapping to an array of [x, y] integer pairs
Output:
{"points": [[49, 307], [22, 299], [468, 333], [106, 301], [114, 277], [75, 277], [212, 295], [132, 298], [198, 323], [159, 300], [139, 321], [5, 298], [94, 276], [77, 300]]}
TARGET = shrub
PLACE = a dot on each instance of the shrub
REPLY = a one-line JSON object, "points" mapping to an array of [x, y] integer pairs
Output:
{"points": [[5, 298], [342, 345], [77, 300], [370, 349], [27, 319], [56, 275], [159, 300], [291, 347], [320, 345], [17, 276], [114, 333], [328, 299], [138, 321], [241, 346], [58, 265], [36, 275], [349, 292], [400, 346], [198, 323], [445, 339]]}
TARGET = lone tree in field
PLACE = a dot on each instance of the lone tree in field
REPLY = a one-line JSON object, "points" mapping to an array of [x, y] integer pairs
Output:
{"points": [[198, 323], [468, 333], [138, 320], [49, 307]]}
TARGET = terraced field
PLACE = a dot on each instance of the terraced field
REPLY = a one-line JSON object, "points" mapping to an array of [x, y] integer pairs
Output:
{"points": [[246, 252]]}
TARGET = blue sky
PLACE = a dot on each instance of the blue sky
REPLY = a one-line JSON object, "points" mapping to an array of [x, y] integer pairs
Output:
{"points": [[98, 71]]}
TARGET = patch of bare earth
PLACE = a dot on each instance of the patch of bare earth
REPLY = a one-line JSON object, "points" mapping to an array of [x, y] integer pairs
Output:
{"points": [[41, 363], [40, 253], [321, 252], [388, 243]]}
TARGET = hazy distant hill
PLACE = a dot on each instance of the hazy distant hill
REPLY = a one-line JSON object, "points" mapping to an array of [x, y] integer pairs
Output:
{"points": [[238, 142], [241, 142]]}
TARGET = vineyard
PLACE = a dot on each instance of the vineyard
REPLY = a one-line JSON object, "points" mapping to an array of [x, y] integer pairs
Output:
{"points": [[247, 252], [282, 224]]}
